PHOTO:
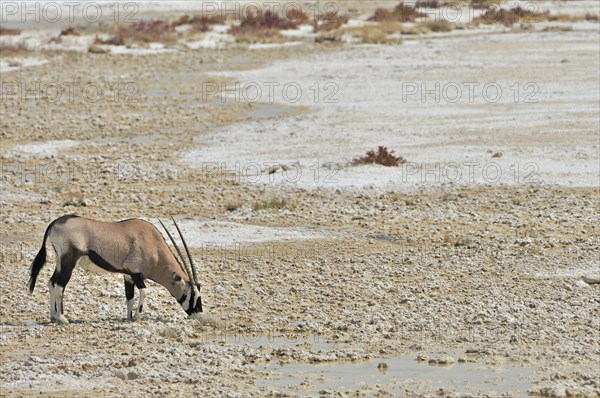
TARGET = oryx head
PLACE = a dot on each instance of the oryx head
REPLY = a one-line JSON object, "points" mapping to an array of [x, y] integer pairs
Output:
{"points": [[189, 288]]}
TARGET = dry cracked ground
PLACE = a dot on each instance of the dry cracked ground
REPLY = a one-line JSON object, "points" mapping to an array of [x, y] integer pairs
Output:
{"points": [[427, 290]]}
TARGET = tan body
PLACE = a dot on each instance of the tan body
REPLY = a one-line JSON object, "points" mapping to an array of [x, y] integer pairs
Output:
{"points": [[132, 247]]}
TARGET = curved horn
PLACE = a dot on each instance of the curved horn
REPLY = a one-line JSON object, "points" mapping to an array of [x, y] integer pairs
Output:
{"points": [[187, 251], [186, 268]]}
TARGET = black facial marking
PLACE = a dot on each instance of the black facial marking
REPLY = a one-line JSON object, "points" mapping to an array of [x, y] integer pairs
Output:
{"points": [[191, 308], [182, 299]]}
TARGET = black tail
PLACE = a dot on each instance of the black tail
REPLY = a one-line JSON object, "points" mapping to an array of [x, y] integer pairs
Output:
{"points": [[39, 261]]}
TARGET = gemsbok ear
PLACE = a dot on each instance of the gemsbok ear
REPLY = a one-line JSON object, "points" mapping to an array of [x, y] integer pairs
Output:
{"points": [[176, 278]]}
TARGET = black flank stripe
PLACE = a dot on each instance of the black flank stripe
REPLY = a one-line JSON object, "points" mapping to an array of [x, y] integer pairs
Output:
{"points": [[101, 262]]}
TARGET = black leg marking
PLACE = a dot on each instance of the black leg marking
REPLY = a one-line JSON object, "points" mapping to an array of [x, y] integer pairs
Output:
{"points": [[67, 264], [129, 290], [53, 283], [138, 279]]}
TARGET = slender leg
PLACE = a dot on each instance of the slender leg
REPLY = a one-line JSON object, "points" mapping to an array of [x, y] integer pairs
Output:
{"points": [[129, 294], [53, 311], [141, 303], [138, 280], [51, 288], [58, 282]]}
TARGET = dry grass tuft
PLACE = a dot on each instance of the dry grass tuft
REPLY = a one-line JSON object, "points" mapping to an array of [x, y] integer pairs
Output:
{"points": [[428, 4], [263, 28], [383, 156], [438, 26], [144, 31], [330, 21], [401, 13], [511, 16], [484, 4], [198, 23], [7, 50], [148, 31], [76, 199], [271, 204], [9, 32], [376, 34], [232, 206]]}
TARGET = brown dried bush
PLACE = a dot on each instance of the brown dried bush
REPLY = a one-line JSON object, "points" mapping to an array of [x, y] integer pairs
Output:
{"points": [[439, 26], [148, 31], [428, 4], [330, 21], [9, 32], [383, 156], [198, 23], [69, 31], [402, 13], [510, 16]]}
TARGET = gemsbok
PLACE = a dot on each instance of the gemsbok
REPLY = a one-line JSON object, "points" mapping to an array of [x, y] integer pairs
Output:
{"points": [[131, 247]]}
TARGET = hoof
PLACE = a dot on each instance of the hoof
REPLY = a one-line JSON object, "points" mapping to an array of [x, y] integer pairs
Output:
{"points": [[60, 321]]}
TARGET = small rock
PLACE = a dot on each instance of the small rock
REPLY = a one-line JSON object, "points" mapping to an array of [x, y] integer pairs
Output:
{"points": [[119, 374], [97, 50], [446, 360], [591, 280], [382, 367], [580, 283], [132, 376]]}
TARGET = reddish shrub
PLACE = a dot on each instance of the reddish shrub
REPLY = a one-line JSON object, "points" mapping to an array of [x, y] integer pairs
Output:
{"points": [[383, 156], [297, 16], [401, 13], [428, 4], [70, 31], [511, 16], [155, 30], [262, 24], [199, 23]]}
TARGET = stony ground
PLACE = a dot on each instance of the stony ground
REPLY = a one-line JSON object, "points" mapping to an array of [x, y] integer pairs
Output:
{"points": [[495, 271]]}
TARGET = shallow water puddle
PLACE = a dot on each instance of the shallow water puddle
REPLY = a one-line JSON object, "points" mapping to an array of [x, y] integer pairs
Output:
{"points": [[400, 372]]}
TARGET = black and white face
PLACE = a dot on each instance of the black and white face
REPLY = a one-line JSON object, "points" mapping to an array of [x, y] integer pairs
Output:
{"points": [[191, 301]]}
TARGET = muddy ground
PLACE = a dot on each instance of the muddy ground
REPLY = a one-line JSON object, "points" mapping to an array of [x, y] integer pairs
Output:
{"points": [[489, 274]]}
